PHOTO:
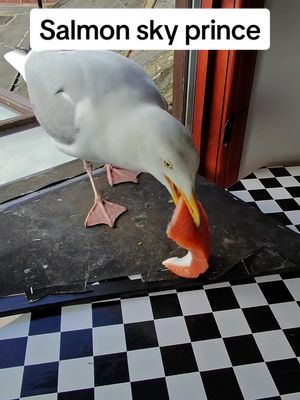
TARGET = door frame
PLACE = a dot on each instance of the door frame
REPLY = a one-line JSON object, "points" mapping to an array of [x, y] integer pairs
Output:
{"points": [[222, 92]]}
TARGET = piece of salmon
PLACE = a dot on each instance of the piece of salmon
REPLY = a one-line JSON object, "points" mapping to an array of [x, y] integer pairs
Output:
{"points": [[196, 239]]}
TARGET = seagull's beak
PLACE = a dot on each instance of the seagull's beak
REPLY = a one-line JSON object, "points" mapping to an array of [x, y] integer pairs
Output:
{"points": [[190, 200]]}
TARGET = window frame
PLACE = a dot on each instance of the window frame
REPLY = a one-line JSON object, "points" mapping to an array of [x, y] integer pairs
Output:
{"points": [[19, 104]]}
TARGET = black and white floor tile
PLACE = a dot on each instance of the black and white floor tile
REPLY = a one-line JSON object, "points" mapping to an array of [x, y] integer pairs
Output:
{"points": [[274, 191], [221, 341], [237, 341]]}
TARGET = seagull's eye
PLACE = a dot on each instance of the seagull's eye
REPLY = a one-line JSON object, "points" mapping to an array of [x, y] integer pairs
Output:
{"points": [[168, 164]]}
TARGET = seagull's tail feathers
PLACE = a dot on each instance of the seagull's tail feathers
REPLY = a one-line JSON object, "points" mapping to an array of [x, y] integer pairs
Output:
{"points": [[17, 58]]}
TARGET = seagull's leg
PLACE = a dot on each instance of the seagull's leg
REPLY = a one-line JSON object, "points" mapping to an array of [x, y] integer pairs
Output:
{"points": [[102, 212], [118, 175]]}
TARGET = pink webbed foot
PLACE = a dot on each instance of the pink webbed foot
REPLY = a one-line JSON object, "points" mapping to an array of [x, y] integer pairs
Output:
{"points": [[104, 212], [118, 175]]}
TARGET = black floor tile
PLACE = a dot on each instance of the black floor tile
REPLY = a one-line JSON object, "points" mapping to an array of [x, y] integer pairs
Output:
{"points": [[293, 336], [280, 217], [271, 398], [154, 389], [221, 384], [107, 313], [270, 183], [279, 171], [39, 379], [140, 335], [260, 319], [242, 350], [237, 186], [222, 299], [286, 375], [111, 369], [76, 344], [242, 281], [165, 306], [12, 352], [202, 327], [45, 322], [290, 274], [178, 359], [294, 191], [250, 176], [275, 292], [85, 394], [260, 194], [288, 204]]}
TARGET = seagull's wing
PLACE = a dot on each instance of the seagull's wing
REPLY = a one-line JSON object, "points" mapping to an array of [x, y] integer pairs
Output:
{"points": [[55, 89], [60, 82]]}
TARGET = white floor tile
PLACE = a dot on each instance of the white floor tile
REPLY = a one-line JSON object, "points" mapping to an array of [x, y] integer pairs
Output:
{"points": [[243, 195], [268, 278], [50, 396], [162, 292], [255, 381], [76, 317], [252, 184], [216, 285], [42, 348], [171, 331], [11, 382], [268, 206], [294, 287], [109, 339], [14, 326], [291, 396], [186, 386], [232, 323], [145, 364], [76, 374], [288, 181], [294, 170], [211, 354], [121, 391], [293, 216], [273, 345], [194, 302], [136, 310], [287, 314], [263, 173], [293, 228], [279, 193], [249, 295]]}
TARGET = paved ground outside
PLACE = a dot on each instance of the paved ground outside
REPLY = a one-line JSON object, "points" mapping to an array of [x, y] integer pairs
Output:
{"points": [[14, 31]]}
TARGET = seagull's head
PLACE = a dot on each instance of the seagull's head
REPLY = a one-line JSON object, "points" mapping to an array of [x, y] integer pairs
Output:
{"points": [[173, 160]]}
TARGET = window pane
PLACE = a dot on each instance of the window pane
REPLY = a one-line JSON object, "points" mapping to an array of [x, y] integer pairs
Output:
{"points": [[7, 113]]}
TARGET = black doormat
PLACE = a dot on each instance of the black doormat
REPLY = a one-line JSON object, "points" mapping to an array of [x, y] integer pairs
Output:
{"points": [[45, 249]]}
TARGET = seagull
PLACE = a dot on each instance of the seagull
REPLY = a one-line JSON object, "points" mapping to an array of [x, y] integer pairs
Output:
{"points": [[100, 106]]}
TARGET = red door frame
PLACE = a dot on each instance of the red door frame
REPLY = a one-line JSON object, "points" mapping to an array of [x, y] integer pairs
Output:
{"points": [[222, 96]]}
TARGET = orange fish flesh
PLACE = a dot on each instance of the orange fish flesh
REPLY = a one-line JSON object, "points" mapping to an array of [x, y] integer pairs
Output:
{"points": [[196, 239]]}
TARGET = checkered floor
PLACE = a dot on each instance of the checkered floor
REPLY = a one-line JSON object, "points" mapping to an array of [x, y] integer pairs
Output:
{"points": [[224, 341], [237, 341], [274, 191]]}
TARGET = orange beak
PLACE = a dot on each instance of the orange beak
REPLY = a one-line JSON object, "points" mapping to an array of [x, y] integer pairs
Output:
{"points": [[190, 201]]}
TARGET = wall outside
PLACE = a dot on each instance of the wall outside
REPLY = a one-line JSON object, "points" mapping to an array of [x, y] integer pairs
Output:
{"points": [[273, 128]]}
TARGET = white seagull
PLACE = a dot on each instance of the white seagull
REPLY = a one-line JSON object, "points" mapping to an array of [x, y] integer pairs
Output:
{"points": [[102, 107]]}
